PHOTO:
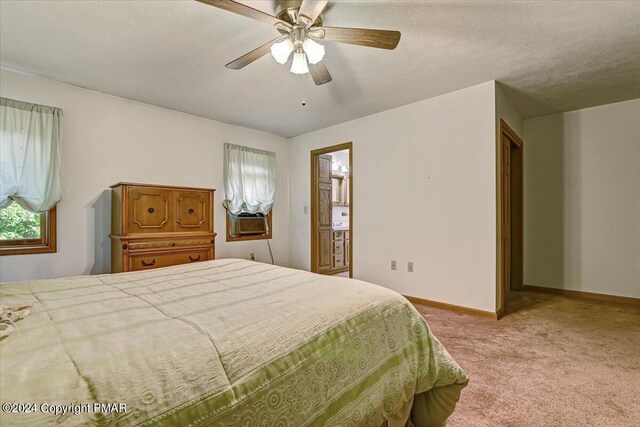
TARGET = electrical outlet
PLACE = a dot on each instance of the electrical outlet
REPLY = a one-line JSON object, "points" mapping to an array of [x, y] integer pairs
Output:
{"points": [[394, 265], [410, 267], [252, 256], [306, 209]]}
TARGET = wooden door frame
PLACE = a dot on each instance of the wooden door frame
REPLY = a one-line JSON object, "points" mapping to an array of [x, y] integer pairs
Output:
{"points": [[314, 203], [517, 206]]}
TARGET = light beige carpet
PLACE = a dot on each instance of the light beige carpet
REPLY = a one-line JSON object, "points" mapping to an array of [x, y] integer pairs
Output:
{"points": [[553, 361]]}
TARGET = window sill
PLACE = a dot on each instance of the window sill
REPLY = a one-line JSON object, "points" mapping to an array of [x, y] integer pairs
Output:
{"points": [[26, 250], [248, 237]]}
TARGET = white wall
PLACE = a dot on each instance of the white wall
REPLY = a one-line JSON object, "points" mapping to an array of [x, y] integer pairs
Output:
{"points": [[582, 200], [424, 191], [108, 139], [506, 110]]}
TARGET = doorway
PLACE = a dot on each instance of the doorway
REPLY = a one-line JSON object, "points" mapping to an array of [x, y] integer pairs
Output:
{"points": [[332, 210], [510, 222]]}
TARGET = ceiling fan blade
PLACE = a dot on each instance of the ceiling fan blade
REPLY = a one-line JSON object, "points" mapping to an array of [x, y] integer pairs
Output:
{"points": [[319, 73], [382, 39], [256, 53], [241, 9], [310, 10]]}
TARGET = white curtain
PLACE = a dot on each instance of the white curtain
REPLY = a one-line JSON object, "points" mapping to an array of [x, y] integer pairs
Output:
{"points": [[29, 155], [249, 179]]}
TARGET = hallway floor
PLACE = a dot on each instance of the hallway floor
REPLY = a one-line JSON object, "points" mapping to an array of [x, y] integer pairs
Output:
{"points": [[553, 361]]}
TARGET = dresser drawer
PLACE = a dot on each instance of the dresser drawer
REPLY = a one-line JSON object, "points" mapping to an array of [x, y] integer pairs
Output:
{"points": [[169, 244], [338, 261], [338, 248], [165, 259]]}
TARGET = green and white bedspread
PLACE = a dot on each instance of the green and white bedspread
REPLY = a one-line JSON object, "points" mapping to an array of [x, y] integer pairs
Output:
{"points": [[222, 343]]}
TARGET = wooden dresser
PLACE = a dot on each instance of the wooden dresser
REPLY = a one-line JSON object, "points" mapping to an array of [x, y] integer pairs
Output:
{"points": [[158, 226]]}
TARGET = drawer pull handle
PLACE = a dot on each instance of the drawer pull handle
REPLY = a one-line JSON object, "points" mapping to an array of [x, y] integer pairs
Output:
{"points": [[147, 264], [150, 210], [190, 210], [194, 259]]}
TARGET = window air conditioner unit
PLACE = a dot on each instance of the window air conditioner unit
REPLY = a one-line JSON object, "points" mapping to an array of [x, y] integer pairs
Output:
{"points": [[248, 224]]}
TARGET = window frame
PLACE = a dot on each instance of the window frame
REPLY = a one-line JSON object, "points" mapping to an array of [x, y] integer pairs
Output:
{"points": [[47, 243], [232, 238]]}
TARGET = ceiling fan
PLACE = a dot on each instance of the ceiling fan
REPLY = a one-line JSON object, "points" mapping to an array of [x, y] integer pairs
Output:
{"points": [[300, 25]]}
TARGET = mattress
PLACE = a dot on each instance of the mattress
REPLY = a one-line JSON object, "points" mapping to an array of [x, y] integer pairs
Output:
{"points": [[221, 343]]}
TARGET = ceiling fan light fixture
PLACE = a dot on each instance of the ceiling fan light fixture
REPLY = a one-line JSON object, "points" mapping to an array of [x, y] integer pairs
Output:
{"points": [[281, 50], [299, 65], [297, 21], [314, 51]]}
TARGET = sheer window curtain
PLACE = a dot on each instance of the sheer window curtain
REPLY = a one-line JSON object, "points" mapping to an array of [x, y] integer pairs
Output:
{"points": [[29, 155], [249, 179]]}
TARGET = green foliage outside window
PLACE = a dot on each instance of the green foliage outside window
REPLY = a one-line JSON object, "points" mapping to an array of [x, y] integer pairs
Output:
{"points": [[17, 223]]}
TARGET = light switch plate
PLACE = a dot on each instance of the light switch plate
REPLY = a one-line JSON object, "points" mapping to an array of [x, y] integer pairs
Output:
{"points": [[410, 267], [394, 265]]}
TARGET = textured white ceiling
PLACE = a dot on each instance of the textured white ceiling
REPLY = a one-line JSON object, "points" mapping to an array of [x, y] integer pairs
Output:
{"points": [[550, 56]]}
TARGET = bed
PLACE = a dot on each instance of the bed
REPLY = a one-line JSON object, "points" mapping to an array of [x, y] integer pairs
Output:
{"points": [[222, 343]]}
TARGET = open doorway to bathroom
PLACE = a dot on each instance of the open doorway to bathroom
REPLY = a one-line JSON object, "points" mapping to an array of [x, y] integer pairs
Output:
{"points": [[332, 210]]}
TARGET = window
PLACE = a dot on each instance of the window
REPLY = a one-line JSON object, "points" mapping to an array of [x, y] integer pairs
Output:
{"points": [[249, 185], [29, 176], [24, 232]]}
